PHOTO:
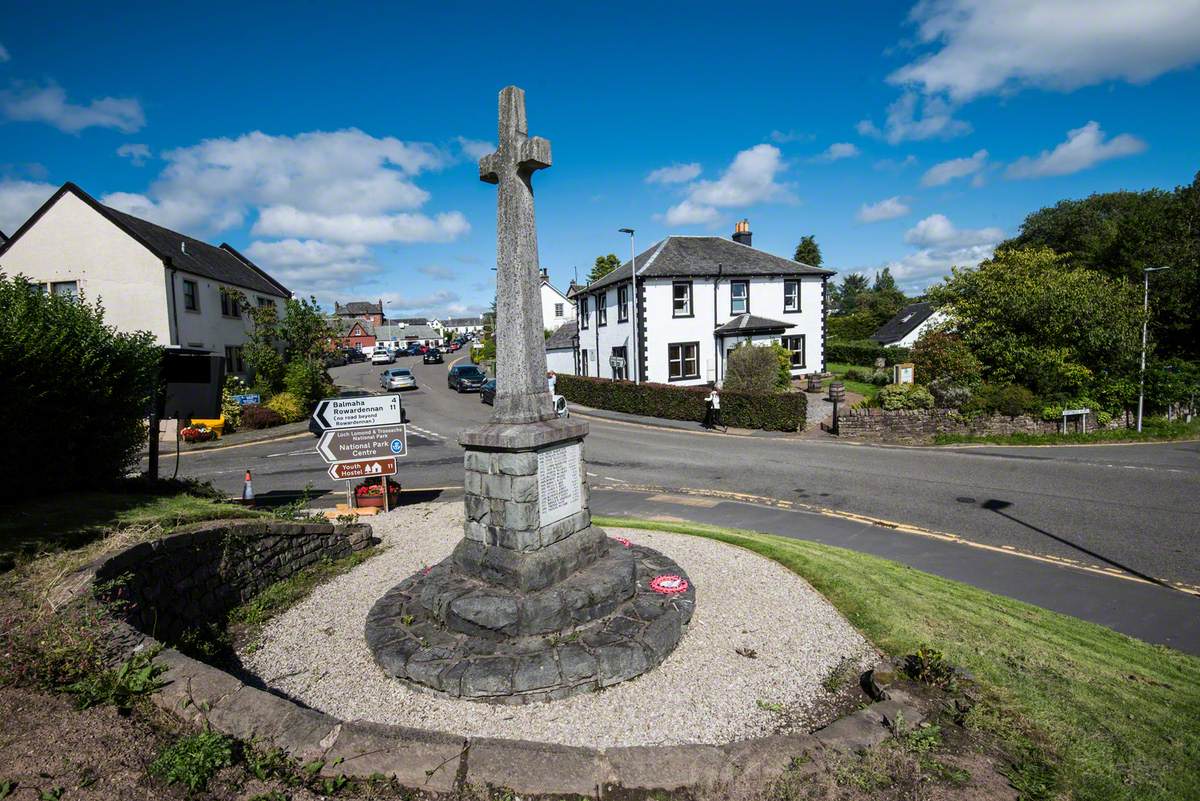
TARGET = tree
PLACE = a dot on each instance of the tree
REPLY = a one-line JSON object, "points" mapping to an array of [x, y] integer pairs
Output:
{"points": [[846, 298], [942, 356], [604, 266], [1031, 319], [305, 329], [808, 251]]}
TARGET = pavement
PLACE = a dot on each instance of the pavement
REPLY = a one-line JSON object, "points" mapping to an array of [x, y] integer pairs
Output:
{"points": [[1030, 523]]}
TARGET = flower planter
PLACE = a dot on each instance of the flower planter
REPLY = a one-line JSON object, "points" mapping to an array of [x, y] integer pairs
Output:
{"points": [[376, 500]]}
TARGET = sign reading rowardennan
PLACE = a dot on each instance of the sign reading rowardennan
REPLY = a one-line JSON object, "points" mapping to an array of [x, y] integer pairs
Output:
{"points": [[366, 468], [340, 445], [560, 482], [371, 410]]}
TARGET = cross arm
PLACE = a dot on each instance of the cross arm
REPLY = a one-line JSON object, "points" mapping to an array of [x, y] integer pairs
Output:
{"points": [[489, 168], [534, 154]]}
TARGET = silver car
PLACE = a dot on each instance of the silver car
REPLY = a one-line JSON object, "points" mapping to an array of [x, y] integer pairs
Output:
{"points": [[397, 378]]}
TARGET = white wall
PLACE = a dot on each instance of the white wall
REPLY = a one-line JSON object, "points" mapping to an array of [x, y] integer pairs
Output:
{"points": [[599, 340], [561, 360], [910, 339], [73, 242], [550, 298], [207, 328]]}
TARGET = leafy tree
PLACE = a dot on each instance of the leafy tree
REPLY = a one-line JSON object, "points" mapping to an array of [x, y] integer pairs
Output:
{"points": [[1120, 233], [847, 297], [758, 368], [848, 327], [808, 251], [305, 329], [1033, 320], [942, 356], [604, 265]]}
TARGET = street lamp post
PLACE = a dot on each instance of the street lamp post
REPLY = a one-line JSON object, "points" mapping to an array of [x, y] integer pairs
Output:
{"points": [[636, 357], [1145, 322]]}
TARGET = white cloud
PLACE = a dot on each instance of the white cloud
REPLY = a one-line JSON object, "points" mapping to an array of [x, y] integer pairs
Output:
{"points": [[49, 104], [136, 153], [749, 179], [19, 199], [895, 165], [838, 150], [4, 56], [363, 228], [1084, 148], [674, 174], [474, 148], [918, 270], [215, 184], [936, 121], [437, 271], [985, 47], [689, 213], [936, 230], [784, 137], [887, 209], [946, 171], [440, 299], [313, 267]]}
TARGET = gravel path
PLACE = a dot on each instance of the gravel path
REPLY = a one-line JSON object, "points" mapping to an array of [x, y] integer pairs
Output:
{"points": [[704, 692]]}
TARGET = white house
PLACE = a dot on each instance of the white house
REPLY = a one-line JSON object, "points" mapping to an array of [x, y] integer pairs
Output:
{"points": [[698, 297], [464, 325], [909, 324], [562, 349], [149, 278], [557, 308]]}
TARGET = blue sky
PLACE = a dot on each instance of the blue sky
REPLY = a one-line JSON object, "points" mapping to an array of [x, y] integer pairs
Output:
{"points": [[337, 145]]}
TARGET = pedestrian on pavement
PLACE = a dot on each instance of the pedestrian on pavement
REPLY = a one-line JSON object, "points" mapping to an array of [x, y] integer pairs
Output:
{"points": [[551, 379], [712, 417]]}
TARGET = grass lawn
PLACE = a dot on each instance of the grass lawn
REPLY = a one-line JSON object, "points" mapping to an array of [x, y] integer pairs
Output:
{"points": [[1153, 430], [868, 391], [72, 520], [1080, 710]]}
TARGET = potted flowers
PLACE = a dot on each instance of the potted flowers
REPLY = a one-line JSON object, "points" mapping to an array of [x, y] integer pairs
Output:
{"points": [[196, 433], [369, 492]]}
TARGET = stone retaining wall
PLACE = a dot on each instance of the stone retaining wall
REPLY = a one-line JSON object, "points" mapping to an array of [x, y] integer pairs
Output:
{"points": [[921, 425], [189, 578], [192, 578]]}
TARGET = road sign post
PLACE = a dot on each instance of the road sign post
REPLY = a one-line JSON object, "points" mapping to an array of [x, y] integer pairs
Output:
{"points": [[364, 412], [363, 468], [346, 444]]}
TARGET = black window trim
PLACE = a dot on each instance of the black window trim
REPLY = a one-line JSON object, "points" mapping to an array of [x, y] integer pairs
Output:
{"points": [[683, 361], [584, 312], [583, 360], [691, 300], [194, 306], [746, 284], [802, 351], [602, 309], [623, 305], [799, 305]]}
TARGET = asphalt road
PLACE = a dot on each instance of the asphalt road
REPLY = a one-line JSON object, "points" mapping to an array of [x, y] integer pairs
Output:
{"points": [[1128, 509]]}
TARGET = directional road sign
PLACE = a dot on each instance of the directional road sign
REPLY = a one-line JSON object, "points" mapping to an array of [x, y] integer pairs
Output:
{"points": [[363, 468], [369, 410], [340, 445]]}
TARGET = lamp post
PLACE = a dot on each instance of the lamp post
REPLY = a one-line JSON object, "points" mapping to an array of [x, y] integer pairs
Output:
{"points": [[636, 357], [1145, 322]]}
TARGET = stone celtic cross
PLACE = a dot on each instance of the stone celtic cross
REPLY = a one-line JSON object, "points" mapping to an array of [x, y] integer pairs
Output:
{"points": [[522, 395]]}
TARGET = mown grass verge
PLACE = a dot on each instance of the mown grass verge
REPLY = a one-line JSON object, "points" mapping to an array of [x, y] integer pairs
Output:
{"points": [[1079, 709], [1154, 430]]}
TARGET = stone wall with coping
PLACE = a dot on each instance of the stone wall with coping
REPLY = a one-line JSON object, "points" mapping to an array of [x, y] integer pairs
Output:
{"points": [[922, 425], [192, 578]]}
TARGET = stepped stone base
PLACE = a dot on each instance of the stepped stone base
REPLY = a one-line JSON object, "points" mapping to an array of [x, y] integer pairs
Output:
{"points": [[450, 631]]}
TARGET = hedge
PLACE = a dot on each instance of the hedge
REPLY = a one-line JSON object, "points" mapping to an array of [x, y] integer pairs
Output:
{"points": [[863, 352], [783, 411]]}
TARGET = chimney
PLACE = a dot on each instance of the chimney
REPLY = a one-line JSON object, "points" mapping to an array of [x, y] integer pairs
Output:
{"points": [[741, 233], [545, 274]]}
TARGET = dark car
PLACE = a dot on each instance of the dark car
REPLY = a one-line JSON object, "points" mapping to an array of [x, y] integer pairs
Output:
{"points": [[432, 356], [354, 355], [465, 378], [414, 349], [487, 393]]}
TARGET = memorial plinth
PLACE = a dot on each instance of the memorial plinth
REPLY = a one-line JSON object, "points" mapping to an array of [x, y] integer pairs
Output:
{"points": [[535, 603]]}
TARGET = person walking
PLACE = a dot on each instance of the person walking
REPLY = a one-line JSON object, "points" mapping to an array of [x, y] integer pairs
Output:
{"points": [[712, 417], [551, 380]]}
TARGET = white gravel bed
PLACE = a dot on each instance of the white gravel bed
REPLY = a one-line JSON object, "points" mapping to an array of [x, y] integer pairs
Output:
{"points": [[704, 692]]}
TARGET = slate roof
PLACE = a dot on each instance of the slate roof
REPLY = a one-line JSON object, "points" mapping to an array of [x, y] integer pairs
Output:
{"points": [[904, 323], [190, 255], [749, 324], [344, 325], [564, 336], [407, 331], [460, 322], [705, 256], [357, 307], [411, 321], [3, 238]]}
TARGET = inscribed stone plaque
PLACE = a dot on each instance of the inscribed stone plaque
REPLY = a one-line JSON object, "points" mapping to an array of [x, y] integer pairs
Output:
{"points": [[560, 480]]}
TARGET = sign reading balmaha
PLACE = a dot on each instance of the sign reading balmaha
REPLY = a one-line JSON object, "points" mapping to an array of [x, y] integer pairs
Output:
{"points": [[560, 482]]}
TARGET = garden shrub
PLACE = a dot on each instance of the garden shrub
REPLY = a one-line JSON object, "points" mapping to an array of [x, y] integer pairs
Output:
{"points": [[1007, 399], [860, 374], [904, 396], [863, 351], [947, 394], [881, 378], [780, 411], [306, 380], [758, 368], [256, 416], [940, 355], [288, 406], [85, 389], [231, 410]]}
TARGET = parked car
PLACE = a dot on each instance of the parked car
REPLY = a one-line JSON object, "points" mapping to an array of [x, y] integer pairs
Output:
{"points": [[487, 393], [465, 378], [432, 356], [414, 349], [354, 355], [397, 378], [454, 346], [334, 358], [382, 356]]}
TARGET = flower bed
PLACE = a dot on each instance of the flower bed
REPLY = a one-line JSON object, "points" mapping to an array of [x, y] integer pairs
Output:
{"points": [[197, 434]]}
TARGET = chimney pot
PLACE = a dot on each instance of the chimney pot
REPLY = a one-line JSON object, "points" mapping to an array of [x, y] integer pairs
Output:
{"points": [[742, 234]]}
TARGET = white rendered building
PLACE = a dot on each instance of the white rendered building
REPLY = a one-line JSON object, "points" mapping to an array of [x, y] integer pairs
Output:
{"points": [[557, 308]]}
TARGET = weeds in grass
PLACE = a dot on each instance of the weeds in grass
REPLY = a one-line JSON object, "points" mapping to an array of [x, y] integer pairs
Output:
{"points": [[7, 788], [193, 760], [929, 666], [1033, 779], [769, 706], [136, 677]]}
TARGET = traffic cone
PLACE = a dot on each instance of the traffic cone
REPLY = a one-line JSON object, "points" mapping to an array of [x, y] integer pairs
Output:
{"points": [[248, 491]]}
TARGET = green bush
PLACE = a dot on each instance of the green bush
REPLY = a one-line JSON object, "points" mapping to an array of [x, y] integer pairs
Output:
{"points": [[256, 416], [266, 364], [904, 396], [758, 368], [193, 760], [940, 355], [881, 378], [77, 391], [863, 351], [231, 410], [782, 411], [1007, 399], [949, 395], [287, 406], [306, 381]]}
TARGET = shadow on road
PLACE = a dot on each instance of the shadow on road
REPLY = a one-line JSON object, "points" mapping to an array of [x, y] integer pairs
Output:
{"points": [[998, 506]]}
